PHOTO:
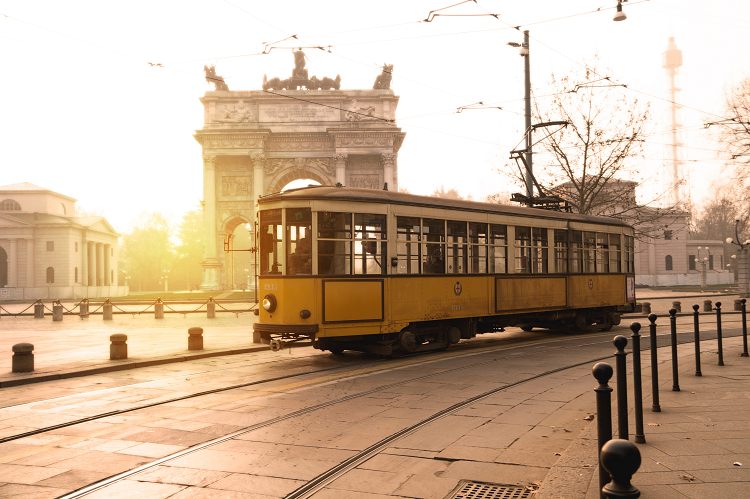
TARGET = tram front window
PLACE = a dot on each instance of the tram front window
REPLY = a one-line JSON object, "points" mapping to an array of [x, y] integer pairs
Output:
{"points": [[270, 242], [334, 243], [370, 252], [433, 248], [298, 241]]}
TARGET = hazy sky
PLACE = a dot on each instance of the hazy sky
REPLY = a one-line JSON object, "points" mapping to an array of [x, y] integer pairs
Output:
{"points": [[84, 114]]}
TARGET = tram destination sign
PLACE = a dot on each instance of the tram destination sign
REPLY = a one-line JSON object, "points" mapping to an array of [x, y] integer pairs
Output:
{"points": [[295, 112]]}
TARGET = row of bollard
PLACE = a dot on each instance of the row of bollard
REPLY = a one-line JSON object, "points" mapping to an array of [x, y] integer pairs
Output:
{"points": [[23, 353], [707, 306], [107, 313], [619, 459]]}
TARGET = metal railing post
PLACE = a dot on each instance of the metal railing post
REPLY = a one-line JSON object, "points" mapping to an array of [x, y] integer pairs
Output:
{"points": [[718, 333], [697, 340], [655, 407], [640, 438], [622, 386], [673, 340], [744, 329], [603, 373]]}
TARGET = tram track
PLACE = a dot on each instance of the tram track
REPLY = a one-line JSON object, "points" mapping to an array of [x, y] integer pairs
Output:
{"points": [[319, 482]]}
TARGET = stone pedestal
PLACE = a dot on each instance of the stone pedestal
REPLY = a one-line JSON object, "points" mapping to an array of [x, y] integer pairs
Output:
{"points": [[39, 311], [211, 310], [23, 358], [57, 313], [84, 309], [107, 311], [159, 311], [195, 338], [118, 350]]}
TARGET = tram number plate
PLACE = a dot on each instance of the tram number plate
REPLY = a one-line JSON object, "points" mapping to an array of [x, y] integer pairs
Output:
{"points": [[271, 287], [457, 307]]}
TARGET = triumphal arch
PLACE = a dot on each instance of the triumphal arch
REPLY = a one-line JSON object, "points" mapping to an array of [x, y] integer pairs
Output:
{"points": [[256, 142]]}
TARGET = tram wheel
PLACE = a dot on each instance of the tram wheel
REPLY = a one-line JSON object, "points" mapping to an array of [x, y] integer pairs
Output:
{"points": [[336, 350], [527, 328], [607, 327]]}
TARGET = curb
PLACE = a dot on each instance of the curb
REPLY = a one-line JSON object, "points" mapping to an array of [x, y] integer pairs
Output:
{"points": [[74, 373]]}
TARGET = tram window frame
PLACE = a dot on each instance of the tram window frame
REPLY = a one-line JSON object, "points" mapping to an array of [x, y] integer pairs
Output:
{"points": [[433, 246], [615, 253], [338, 262], [602, 253], [271, 242], [523, 250], [575, 252], [370, 239], [589, 252], [498, 249], [408, 245], [539, 250], [478, 251], [298, 241], [630, 254], [561, 250], [456, 247]]}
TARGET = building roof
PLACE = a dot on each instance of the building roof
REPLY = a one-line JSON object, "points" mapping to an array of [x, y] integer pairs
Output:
{"points": [[48, 219], [27, 187]]}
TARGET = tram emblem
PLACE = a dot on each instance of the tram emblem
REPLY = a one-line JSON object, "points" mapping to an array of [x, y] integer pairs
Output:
{"points": [[457, 288], [591, 284]]}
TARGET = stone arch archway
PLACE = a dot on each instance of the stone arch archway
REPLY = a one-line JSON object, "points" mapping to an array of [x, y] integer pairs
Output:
{"points": [[283, 178], [3, 267]]}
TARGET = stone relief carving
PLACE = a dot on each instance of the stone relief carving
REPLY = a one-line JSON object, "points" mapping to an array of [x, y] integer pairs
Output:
{"points": [[235, 208], [340, 160], [364, 163], [259, 161], [240, 114], [275, 165], [235, 186], [209, 162], [358, 113], [299, 146], [364, 141], [233, 163], [234, 143], [389, 159], [365, 181]]}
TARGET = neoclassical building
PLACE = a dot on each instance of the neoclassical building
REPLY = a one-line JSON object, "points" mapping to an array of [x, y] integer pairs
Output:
{"points": [[48, 252], [256, 142]]}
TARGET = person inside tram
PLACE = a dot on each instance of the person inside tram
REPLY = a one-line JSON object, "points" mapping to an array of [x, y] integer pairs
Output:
{"points": [[301, 259], [434, 263]]}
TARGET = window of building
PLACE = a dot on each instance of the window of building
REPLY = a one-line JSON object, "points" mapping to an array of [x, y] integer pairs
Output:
{"points": [[667, 235], [61, 209], [408, 230], [561, 250], [668, 262], [76, 274], [710, 262], [691, 262], [50, 245], [9, 205], [498, 249], [50, 275]]}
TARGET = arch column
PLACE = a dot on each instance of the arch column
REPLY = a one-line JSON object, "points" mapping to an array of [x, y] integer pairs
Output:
{"points": [[389, 162], [13, 264], [107, 251], [340, 160], [211, 264], [85, 261], [29, 263], [99, 264]]}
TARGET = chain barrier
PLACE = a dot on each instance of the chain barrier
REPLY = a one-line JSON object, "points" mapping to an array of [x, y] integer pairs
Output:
{"points": [[45, 306], [133, 314], [71, 311]]}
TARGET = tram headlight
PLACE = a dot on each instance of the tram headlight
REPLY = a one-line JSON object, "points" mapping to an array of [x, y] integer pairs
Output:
{"points": [[269, 303]]}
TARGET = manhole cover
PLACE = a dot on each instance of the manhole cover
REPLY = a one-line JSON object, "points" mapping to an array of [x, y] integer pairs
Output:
{"points": [[479, 490]]}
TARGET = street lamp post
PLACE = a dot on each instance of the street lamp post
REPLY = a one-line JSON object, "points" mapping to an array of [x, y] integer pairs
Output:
{"points": [[524, 52], [743, 272]]}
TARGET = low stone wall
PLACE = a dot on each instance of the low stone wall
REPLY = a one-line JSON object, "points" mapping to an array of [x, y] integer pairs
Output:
{"points": [[684, 279], [63, 292]]}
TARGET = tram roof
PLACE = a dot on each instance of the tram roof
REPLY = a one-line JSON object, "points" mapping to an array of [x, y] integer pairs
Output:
{"points": [[353, 194]]}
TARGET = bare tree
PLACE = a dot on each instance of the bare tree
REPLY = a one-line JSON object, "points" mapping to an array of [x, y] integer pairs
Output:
{"points": [[734, 131], [449, 194]]}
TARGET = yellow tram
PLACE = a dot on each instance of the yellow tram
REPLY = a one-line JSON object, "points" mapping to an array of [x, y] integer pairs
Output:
{"points": [[389, 273]]}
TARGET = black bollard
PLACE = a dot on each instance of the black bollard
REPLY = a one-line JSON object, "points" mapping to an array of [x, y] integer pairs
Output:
{"points": [[603, 373], [655, 407], [673, 338], [697, 340], [621, 459], [718, 333], [622, 386], [744, 329], [640, 438]]}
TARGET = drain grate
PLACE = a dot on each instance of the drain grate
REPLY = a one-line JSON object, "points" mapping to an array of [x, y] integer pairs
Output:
{"points": [[479, 490]]}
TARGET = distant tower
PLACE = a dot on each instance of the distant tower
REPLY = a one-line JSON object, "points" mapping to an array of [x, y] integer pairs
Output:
{"points": [[672, 61]]}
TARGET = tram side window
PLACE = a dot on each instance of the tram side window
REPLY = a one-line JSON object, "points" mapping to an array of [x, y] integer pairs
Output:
{"points": [[629, 254], [407, 244], [456, 254], [270, 242], [561, 251], [576, 251], [433, 246], [523, 250], [370, 251], [539, 249], [615, 250], [589, 252], [298, 241], [477, 248], [334, 243], [498, 249], [602, 253]]}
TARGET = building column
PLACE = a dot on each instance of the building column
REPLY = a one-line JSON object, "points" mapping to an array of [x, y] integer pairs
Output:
{"points": [[99, 264], [90, 247], [210, 263], [389, 162], [29, 263], [651, 257], [107, 252], [340, 160], [85, 265], [13, 264]]}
